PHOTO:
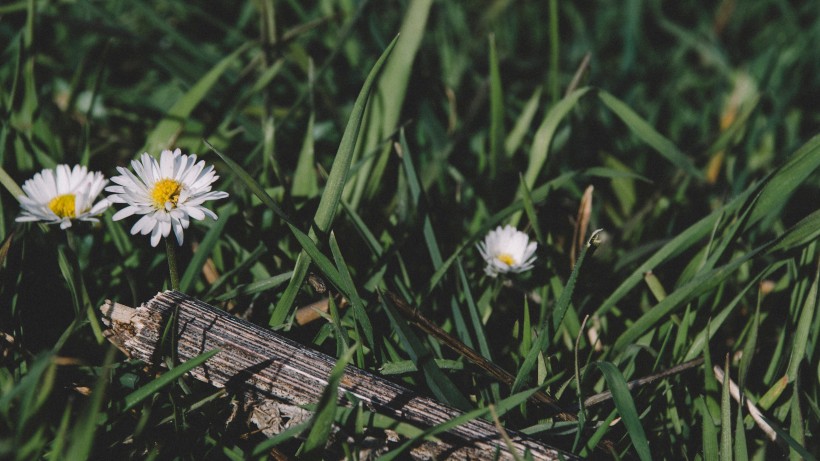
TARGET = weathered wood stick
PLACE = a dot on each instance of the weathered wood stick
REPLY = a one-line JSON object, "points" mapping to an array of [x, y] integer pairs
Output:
{"points": [[284, 376]]}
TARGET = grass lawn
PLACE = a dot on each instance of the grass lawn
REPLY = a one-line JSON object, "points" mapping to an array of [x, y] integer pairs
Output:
{"points": [[656, 163]]}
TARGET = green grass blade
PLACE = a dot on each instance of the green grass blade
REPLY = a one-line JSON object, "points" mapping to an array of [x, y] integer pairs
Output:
{"points": [[205, 248], [305, 181], [741, 452], [626, 408], [407, 366], [501, 408], [697, 345], [803, 330], [805, 231], [165, 134], [248, 259], [529, 208], [496, 109], [522, 125], [441, 385], [708, 431], [24, 113], [263, 448], [726, 416], [308, 244], [786, 179], [359, 312], [323, 218], [475, 320], [371, 240], [750, 346], [251, 184], [322, 262], [796, 426], [388, 100], [566, 294], [543, 138], [415, 192], [321, 423], [70, 274], [61, 435], [255, 287], [790, 441], [134, 398], [84, 429], [10, 184], [783, 181], [697, 286], [31, 391], [648, 134], [560, 311]]}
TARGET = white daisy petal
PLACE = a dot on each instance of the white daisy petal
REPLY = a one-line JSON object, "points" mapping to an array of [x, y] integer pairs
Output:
{"points": [[178, 231], [62, 195], [125, 212], [155, 235], [168, 192], [506, 250], [197, 213]]}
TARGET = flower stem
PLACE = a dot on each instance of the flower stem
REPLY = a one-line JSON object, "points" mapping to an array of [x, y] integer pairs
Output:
{"points": [[172, 263]]}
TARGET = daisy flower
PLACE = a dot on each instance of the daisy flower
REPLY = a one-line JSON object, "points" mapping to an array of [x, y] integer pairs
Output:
{"points": [[62, 195], [506, 249], [167, 193]]}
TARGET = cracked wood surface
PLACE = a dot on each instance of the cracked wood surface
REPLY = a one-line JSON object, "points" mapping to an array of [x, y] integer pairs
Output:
{"points": [[278, 376]]}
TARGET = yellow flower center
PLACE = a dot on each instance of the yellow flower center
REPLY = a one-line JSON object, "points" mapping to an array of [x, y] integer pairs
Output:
{"points": [[506, 259], [63, 205], [166, 190]]}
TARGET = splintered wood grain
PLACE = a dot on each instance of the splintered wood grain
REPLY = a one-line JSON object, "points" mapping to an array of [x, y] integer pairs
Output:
{"points": [[282, 375]]}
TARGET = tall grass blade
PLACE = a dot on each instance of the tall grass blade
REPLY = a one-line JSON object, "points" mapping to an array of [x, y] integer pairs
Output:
{"points": [[255, 287], [803, 328], [501, 408], [81, 441], [522, 125], [708, 431], [796, 426], [546, 131], [441, 385], [561, 307], [741, 452], [726, 416], [388, 99], [359, 312], [472, 309], [529, 208], [648, 134], [165, 134], [334, 187], [626, 407], [790, 441], [415, 192], [139, 395], [321, 423], [305, 181], [496, 109], [786, 179], [203, 251], [699, 285], [10, 184], [804, 231]]}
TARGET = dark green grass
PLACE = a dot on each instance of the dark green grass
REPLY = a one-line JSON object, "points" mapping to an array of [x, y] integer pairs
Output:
{"points": [[695, 123]]}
